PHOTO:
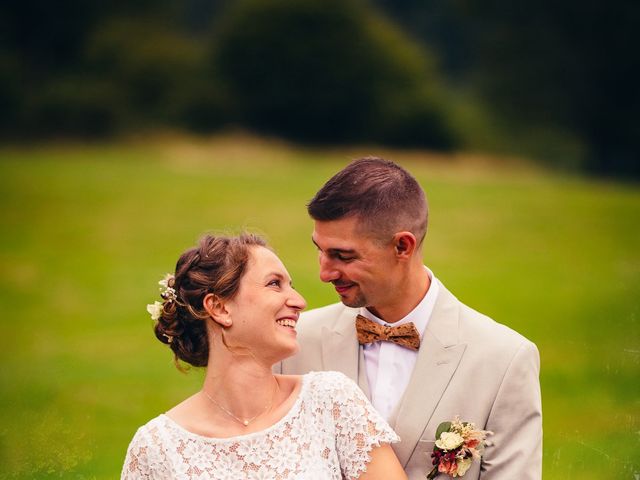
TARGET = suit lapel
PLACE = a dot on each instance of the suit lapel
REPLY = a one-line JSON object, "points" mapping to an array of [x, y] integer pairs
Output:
{"points": [[438, 358], [363, 381], [340, 348]]}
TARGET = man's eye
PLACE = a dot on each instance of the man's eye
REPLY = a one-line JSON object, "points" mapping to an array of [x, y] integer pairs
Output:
{"points": [[342, 258]]}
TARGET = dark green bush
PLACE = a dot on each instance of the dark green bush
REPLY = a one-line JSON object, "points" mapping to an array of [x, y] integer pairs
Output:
{"points": [[10, 92], [160, 72], [72, 106], [328, 70]]}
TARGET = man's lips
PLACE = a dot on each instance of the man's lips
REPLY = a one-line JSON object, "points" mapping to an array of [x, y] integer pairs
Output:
{"points": [[342, 287]]}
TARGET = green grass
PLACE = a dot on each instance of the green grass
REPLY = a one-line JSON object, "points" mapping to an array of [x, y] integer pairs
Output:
{"points": [[88, 231]]}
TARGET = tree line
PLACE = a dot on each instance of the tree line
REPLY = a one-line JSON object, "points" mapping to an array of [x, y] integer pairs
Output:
{"points": [[554, 80]]}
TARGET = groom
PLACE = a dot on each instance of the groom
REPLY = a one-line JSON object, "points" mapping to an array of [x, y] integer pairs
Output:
{"points": [[370, 223]]}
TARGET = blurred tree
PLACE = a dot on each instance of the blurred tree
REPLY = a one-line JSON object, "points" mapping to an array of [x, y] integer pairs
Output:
{"points": [[328, 70], [56, 77], [435, 23], [10, 92], [566, 64], [38, 40], [556, 73], [157, 70], [558, 78]]}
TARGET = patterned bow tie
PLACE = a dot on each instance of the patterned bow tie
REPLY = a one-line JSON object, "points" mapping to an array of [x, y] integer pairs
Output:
{"points": [[404, 335]]}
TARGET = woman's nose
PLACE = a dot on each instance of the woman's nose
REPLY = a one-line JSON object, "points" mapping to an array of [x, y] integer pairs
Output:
{"points": [[296, 300]]}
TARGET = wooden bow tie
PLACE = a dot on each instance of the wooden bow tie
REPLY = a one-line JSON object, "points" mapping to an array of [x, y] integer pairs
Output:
{"points": [[404, 335]]}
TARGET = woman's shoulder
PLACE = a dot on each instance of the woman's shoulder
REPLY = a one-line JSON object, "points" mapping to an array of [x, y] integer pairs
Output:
{"points": [[330, 383], [148, 451], [328, 377], [155, 423], [145, 444], [150, 430]]}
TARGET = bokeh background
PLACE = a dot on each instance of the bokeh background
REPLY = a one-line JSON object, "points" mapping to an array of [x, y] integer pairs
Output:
{"points": [[129, 129]]}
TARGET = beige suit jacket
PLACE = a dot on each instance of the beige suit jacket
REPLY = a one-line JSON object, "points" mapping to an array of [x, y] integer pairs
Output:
{"points": [[468, 365]]}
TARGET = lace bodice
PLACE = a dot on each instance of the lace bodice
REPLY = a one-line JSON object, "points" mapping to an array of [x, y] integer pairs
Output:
{"points": [[328, 434]]}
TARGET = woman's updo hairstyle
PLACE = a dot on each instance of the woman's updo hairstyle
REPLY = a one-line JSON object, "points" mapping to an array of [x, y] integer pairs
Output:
{"points": [[215, 266]]}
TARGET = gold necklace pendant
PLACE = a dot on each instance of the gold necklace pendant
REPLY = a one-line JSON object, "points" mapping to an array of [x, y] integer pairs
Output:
{"points": [[245, 421]]}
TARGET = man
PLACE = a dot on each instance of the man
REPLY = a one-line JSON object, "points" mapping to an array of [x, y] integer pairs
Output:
{"points": [[370, 223]]}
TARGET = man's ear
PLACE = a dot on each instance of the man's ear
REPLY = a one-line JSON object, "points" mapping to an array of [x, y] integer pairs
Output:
{"points": [[405, 245], [217, 309]]}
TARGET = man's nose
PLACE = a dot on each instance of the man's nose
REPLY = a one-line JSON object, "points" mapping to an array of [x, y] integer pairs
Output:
{"points": [[328, 272]]}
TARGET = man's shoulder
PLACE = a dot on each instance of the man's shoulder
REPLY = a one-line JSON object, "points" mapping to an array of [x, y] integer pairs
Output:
{"points": [[328, 316], [315, 328], [483, 332], [476, 327], [326, 312]]}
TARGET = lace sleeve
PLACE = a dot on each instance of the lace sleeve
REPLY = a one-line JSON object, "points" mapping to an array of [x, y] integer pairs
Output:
{"points": [[359, 427], [140, 462]]}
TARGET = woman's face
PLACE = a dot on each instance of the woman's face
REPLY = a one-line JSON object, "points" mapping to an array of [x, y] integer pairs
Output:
{"points": [[266, 308]]}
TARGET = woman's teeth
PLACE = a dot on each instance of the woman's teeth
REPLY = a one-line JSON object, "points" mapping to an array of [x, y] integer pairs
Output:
{"points": [[286, 322]]}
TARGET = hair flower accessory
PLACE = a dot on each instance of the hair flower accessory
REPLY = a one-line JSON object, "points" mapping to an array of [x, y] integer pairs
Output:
{"points": [[167, 291], [168, 294], [155, 309], [458, 444]]}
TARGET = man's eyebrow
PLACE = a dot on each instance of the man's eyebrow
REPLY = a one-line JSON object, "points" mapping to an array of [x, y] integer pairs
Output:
{"points": [[341, 250], [335, 250]]}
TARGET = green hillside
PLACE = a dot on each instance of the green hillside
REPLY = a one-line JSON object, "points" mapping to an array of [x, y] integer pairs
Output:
{"points": [[89, 229]]}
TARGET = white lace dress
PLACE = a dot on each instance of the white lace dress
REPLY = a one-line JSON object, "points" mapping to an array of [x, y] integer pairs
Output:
{"points": [[328, 434]]}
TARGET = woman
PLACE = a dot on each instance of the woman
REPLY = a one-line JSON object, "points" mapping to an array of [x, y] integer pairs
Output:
{"points": [[231, 307]]}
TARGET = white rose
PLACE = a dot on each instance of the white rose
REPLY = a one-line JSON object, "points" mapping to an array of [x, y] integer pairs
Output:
{"points": [[463, 466], [449, 441], [155, 310]]}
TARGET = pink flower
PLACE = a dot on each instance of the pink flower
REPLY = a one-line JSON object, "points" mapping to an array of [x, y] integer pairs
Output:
{"points": [[472, 443], [448, 467]]}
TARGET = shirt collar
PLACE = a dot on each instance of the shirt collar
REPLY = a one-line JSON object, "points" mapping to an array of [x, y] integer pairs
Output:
{"points": [[420, 315]]}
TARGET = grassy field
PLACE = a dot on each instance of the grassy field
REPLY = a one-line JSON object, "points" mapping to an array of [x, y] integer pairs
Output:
{"points": [[88, 230]]}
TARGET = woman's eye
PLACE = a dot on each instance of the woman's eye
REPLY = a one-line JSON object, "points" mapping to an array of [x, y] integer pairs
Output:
{"points": [[275, 283]]}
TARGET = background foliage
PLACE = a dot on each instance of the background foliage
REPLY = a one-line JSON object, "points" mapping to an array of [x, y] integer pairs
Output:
{"points": [[89, 229], [552, 80]]}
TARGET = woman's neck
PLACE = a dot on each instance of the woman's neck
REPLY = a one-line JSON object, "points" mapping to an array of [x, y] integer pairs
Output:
{"points": [[240, 385]]}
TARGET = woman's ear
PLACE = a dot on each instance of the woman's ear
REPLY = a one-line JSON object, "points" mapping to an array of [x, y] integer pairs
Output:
{"points": [[217, 309]]}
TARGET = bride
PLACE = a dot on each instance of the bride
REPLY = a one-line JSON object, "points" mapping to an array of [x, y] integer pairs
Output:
{"points": [[231, 307]]}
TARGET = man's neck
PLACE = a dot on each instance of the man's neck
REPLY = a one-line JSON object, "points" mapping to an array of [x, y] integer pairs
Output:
{"points": [[406, 296]]}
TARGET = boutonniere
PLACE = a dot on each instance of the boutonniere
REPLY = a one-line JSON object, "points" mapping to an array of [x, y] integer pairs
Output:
{"points": [[458, 444]]}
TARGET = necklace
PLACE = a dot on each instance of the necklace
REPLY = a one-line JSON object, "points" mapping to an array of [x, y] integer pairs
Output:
{"points": [[246, 421]]}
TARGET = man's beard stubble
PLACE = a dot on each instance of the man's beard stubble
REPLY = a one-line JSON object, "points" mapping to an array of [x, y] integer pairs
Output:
{"points": [[358, 301]]}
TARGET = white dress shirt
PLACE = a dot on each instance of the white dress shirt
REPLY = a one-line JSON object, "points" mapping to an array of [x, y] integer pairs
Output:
{"points": [[388, 365]]}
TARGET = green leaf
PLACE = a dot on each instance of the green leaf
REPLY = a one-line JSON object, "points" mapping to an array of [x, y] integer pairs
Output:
{"points": [[443, 427]]}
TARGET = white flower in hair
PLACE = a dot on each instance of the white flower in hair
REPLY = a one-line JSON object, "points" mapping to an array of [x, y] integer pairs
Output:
{"points": [[155, 309], [166, 287]]}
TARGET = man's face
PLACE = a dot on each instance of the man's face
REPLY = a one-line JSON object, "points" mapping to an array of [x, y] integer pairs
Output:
{"points": [[359, 267]]}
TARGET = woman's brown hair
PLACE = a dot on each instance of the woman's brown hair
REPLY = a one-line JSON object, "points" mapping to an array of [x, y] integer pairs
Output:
{"points": [[215, 266]]}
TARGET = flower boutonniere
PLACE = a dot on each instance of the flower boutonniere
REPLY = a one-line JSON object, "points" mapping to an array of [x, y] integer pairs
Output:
{"points": [[458, 444]]}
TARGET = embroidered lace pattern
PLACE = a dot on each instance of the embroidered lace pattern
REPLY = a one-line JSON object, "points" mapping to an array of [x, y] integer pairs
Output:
{"points": [[328, 434]]}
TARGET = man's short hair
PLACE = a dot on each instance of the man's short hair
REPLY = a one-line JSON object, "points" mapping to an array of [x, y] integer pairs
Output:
{"points": [[382, 195]]}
